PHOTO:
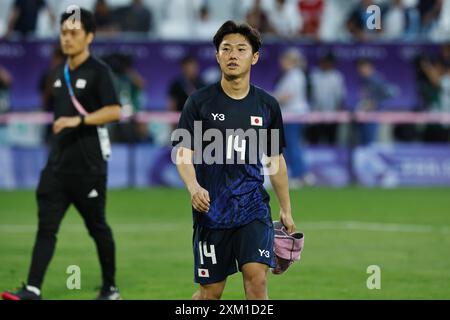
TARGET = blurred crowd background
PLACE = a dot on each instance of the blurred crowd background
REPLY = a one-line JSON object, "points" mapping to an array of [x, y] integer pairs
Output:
{"points": [[317, 56], [320, 20]]}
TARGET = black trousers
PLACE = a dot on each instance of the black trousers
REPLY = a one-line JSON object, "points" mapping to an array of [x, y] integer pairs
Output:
{"points": [[55, 193]]}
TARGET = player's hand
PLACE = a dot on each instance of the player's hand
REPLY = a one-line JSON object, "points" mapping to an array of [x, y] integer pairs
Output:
{"points": [[200, 199], [65, 122], [287, 221]]}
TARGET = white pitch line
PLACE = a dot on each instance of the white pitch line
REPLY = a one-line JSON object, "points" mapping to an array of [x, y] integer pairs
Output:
{"points": [[175, 227], [374, 226], [165, 227]]}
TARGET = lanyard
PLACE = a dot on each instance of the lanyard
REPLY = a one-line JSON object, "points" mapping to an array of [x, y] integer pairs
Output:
{"points": [[74, 99]]}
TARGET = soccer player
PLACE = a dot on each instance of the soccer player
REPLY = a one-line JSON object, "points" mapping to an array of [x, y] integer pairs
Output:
{"points": [[76, 170], [231, 213]]}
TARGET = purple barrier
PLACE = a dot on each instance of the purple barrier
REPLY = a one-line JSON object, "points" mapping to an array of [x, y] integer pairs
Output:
{"points": [[378, 165], [402, 165], [158, 64]]}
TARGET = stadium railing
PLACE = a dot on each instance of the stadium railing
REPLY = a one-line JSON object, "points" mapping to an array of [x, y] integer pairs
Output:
{"points": [[388, 117]]}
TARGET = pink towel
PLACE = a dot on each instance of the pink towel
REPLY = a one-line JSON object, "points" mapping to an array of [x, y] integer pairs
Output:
{"points": [[287, 247]]}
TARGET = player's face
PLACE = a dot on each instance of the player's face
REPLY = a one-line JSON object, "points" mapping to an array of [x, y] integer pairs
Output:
{"points": [[73, 38], [235, 55]]}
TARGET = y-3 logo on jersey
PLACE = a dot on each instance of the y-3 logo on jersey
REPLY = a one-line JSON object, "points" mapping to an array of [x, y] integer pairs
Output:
{"points": [[264, 253], [218, 116]]}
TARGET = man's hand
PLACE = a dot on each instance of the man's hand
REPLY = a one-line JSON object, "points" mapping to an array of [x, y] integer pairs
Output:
{"points": [[287, 221], [200, 199], [65, 122]]}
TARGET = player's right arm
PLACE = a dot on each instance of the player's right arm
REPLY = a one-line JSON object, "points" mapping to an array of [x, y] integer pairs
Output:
{"points": [[199, 196], [279, 181]]}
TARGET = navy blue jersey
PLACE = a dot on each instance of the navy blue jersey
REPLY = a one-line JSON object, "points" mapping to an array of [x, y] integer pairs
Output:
{"points": [[235, 181]]}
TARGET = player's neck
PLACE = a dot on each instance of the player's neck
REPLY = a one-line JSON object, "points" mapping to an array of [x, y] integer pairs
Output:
{"points": [[78, 59], [236, 88]]}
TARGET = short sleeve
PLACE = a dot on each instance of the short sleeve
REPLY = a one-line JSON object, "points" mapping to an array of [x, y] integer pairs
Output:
{"points": [[189, 115], [276, 123], [106, 88]]}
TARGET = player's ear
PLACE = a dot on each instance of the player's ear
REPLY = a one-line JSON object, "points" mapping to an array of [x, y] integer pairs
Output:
{"points": [[255, 58], [217, 57], [90, 37]]}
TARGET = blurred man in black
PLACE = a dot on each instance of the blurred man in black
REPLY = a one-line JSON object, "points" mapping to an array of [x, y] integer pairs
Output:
{"points": [[84, 100], [188, 82]]}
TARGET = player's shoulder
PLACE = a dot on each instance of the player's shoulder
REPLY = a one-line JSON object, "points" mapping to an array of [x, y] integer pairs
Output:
{"points": [[98, 63], [58, 69], [204, 94], [269, 100]]}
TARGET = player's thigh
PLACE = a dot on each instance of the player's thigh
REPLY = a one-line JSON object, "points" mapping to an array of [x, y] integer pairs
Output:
{"points": [[254, 243], [213, 255], [89, 197], [52, 199], [254, 270], [210, 291]]}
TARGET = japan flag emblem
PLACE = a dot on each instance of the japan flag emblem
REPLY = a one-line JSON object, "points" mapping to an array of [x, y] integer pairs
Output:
{"points": [[256, 121]]}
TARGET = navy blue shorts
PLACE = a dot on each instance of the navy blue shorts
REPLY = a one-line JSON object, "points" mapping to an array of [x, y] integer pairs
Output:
{"points": [[219, 253]]}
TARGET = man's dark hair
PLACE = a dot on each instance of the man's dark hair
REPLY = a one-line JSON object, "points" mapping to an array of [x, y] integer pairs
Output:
{"points": [[86, 17], [328, 57], [229, 27], [187, 59], [364, 61]]}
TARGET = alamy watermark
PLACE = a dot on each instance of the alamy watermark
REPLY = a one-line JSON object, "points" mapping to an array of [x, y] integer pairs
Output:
{"points": [[373, 21], [374, 280], [74, 279], [74, 21], [234, 146]]}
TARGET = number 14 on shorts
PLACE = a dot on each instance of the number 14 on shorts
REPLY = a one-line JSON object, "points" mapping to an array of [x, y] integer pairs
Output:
{"points": [[203, 251]]}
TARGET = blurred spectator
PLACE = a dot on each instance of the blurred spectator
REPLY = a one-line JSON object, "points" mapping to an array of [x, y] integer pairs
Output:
{"points": [[204, 27], [290, 91], [104, 18], [221, 11], [328, 94], [258, 18], [335, 13], [5, 85], [285, 18], [428, 92], [394, 22], [429, 11], [357, 22], [45, 82], [374, 90], [24, 15], [176, 19], [442, 30], [439, 76], [129, 85], [135, 17], [445, 53], [46, 87], [311, 12], [185, 84]]}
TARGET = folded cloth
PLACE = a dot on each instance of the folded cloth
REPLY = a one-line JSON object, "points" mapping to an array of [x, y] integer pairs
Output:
{"points": [[287, 247]]}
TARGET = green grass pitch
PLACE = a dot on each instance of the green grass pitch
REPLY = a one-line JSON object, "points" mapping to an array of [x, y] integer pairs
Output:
{"points": [[406, 232]]}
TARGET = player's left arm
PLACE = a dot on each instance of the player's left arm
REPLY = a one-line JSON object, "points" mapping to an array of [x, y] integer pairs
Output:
{"points": [[279, 181], [109, 112], [99, 117]]}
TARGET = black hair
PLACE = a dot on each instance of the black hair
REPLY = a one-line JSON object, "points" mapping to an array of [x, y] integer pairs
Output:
{"points": [[187, 59], [86, 17], [229, 27], [328, 57], [362, 61]]}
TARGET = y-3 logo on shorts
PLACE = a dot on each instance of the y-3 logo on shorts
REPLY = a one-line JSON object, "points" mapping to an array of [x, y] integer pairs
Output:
{"points": [[264, 253]]}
